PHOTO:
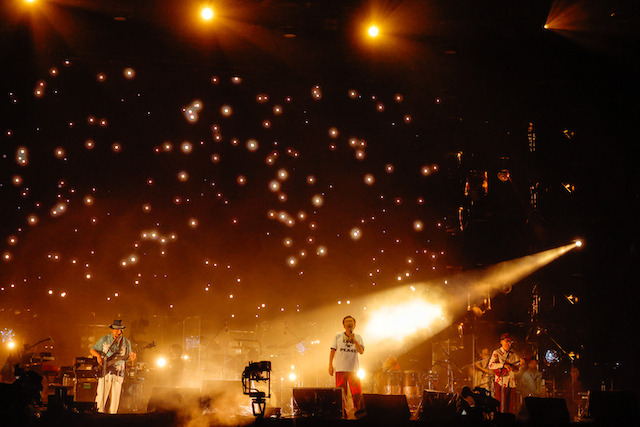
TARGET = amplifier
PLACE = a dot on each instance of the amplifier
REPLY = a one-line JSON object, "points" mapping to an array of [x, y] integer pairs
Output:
{"points": [[86, 390]]}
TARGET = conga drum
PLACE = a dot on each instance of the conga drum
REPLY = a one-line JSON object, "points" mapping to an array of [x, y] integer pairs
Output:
{"points": [[392, 382], [412, 384]]}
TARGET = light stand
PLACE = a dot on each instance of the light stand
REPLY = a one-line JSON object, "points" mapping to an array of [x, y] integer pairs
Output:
{"points": [[254, 373]]}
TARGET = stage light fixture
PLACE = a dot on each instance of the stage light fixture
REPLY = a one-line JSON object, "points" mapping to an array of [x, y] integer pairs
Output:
{"points": [[373, 31], [504, 175], [207, 13], [573, 299], [253, 374]]}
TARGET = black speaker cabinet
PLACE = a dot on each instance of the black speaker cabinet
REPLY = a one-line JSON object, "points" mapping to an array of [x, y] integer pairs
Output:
{"points": [[85, 390], [544, 411], [437, 406], [613, 407], [325, 403], [387, 409]]}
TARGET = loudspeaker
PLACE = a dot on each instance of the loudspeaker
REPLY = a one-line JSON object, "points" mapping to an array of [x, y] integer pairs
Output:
{"points": [[613, 407], [219, 388], [167, 399], [225, 397], [86, 390], [387, 409], [437, 406], [544, 411], [325, 403]]}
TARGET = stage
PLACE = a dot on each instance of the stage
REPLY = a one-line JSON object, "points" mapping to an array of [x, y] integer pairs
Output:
{"points": [[171, 419], [315, 408]]}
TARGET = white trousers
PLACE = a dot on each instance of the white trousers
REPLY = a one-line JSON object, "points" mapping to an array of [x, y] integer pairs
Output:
{"points": [[109, 386]]}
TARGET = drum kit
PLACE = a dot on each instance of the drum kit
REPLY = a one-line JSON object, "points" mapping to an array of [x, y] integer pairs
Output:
{"points": [[409, 383]]}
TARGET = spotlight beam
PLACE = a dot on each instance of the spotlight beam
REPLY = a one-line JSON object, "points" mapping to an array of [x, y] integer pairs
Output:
{"points": [[507, 273]]}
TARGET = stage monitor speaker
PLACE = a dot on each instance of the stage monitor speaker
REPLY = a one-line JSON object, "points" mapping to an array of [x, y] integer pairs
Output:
{"points": [[613, 407], [387, 409], [544, 411], [325, 403], [437, 406], [168, 399]]}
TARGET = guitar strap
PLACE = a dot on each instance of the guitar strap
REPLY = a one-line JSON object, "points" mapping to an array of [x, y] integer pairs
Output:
{"points": [[116, 341]]}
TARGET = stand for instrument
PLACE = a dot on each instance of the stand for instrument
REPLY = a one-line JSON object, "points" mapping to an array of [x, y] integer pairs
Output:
{"points": [[448, 361]]}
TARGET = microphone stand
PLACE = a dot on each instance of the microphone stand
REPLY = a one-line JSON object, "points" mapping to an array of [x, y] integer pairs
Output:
{"points": [[503, 394], [449, 362]]}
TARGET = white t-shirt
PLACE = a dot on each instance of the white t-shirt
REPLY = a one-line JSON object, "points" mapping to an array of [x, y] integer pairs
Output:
{"points": [[346, 357]]}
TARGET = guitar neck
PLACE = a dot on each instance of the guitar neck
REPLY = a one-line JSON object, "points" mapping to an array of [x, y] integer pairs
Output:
{"points": [[115, 359]]}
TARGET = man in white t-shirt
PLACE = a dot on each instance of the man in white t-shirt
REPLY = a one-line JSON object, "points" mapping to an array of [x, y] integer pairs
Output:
{"points": [[343, 361]]}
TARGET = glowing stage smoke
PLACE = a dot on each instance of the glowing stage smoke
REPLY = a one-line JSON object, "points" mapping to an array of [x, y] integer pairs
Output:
{"points": [[402, 317], [402, 320]]}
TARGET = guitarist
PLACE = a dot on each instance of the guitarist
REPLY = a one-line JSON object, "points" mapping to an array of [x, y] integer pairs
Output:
{"points": [[111, 351], [505, 363]]}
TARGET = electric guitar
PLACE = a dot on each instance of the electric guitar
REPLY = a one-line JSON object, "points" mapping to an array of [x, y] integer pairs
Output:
{"points": [[99, 370], [504, 371]]}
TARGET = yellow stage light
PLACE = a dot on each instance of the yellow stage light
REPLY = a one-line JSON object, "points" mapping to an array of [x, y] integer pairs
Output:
{"points": [[361, 373], [207, 13], [373, 31], [161, 362]]}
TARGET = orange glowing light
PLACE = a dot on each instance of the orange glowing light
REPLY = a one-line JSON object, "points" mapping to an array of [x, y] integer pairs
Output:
{"points": [[207, 13], [373, 31], [564, 16]]}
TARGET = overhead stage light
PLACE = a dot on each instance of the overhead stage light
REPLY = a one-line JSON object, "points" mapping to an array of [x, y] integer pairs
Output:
{"points": [[373, 31], [207, 13], [504, 175]]}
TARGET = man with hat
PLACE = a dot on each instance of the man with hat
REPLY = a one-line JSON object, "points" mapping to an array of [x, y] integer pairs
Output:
{"points": [[505, 363], [111, 351]]}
